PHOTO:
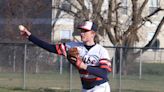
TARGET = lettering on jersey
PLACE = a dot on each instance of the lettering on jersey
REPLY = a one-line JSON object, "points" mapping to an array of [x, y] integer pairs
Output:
{"points": [[91, 60]]}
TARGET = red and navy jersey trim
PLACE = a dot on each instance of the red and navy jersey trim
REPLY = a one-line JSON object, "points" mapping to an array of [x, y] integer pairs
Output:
{"points": [[105, 64], [61, 49]]}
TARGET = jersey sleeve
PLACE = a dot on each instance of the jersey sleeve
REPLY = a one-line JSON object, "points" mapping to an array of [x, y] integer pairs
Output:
{"points": [[42, 44], [105, 64], [99, 72], [59, 49], [62, 48], [105, 61]]}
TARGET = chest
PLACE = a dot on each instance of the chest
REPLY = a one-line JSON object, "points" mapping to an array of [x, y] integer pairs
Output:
{"points": [[90, 57]]}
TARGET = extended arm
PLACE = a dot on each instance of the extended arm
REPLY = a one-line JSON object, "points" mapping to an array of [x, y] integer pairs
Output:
{"points": [[57, 48], [42, 44]]}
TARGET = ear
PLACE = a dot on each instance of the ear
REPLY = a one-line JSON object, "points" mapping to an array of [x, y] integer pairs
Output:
{"points": [[94, 33]]}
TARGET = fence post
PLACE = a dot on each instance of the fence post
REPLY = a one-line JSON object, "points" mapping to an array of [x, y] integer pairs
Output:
{"points": [[24, 66], [155, 58], [61, 64], [14, 58], [71, 72], [120, 69], [140, 67], [114, 63], [160, 56]]}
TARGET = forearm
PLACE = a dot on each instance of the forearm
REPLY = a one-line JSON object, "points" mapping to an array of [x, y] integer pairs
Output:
{"points": [[98, 72], [42, 44]]}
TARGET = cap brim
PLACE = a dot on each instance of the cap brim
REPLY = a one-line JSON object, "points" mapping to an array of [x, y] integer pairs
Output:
{"points": [[84, 28]]}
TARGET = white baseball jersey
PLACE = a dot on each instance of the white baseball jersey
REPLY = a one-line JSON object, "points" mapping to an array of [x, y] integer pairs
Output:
{"points": [[97, 56], [92, 56]]}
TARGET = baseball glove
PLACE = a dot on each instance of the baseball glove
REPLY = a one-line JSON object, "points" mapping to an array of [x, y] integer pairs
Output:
{"points": [[73, 52], [73, 57]]}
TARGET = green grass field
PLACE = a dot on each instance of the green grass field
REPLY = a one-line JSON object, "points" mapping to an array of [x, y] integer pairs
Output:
{"points": [[152, 81]]}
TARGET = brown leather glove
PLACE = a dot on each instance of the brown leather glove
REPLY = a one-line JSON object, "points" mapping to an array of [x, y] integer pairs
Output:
{"points": [[73, 57]]}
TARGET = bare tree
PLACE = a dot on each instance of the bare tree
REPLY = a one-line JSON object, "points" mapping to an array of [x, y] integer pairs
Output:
{"points": [[121, 34]]}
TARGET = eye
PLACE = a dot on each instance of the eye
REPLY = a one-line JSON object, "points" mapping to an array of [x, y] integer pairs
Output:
{"points": [[84, 31]]}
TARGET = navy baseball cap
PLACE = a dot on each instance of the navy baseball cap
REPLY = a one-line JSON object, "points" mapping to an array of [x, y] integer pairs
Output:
{"points": [[88, 26]]}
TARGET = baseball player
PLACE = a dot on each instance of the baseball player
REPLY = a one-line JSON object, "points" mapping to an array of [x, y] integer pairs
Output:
{"points": [[90, 58]]}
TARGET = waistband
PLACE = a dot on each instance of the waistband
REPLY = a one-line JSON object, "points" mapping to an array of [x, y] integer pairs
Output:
{"points": [[89, 85]]}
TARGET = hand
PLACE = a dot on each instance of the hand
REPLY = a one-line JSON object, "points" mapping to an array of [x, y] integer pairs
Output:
{"points": [[77, 61], [74, 58], [82, 66], [72, 55], [24, 32]]}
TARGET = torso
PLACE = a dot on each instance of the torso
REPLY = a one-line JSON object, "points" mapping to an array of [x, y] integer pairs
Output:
{"points": [[90, 57]]}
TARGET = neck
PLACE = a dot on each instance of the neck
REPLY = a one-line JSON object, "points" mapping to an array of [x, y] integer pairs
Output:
{"points": [[89, 43]]}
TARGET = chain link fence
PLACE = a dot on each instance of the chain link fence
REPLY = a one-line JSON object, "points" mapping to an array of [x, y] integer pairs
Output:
{"points": [[26, 66]]}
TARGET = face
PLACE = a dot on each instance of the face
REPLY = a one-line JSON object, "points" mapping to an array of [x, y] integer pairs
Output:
{"points": [[87, 36]]}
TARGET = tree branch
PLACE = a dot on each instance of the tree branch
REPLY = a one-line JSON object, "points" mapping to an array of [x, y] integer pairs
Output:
{"points": [[56, 3], [156, 11], [96, 4], [117, 7], [81, 2], [69, 12], [73, 5], [135, 20], [151, 42], [108, 27], [146, 18], [142, 7]]}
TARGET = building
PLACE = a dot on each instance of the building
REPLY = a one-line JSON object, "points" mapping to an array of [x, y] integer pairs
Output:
{"points": [[64, 27]]}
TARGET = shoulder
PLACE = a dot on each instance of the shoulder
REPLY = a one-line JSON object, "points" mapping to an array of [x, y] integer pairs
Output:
{"points": [[101, 47], [103, 51], [73, 44]]}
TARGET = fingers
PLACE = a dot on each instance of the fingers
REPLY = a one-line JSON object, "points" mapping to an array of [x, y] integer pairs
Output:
{"points": [[24, 34], [23, 31], [81, 65], [73, 58], [77, 62]]}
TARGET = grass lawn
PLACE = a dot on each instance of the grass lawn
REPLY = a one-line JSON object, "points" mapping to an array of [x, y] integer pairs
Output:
{"points": [[134, 84], [152, 81]]}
